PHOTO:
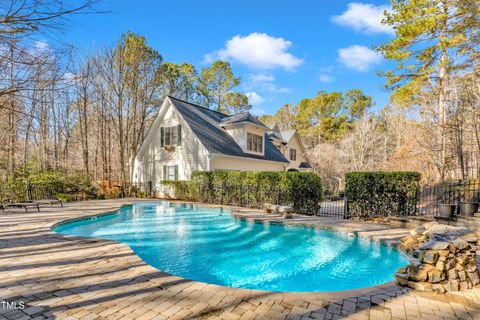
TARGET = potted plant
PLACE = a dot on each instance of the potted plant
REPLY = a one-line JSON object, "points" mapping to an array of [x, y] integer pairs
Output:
{"points": [[141, 194], [446, 210], [468, 209], [445, 207], [469, 206]]}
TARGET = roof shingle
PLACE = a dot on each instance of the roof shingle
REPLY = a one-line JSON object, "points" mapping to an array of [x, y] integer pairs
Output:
{"points": [[206, 124]]}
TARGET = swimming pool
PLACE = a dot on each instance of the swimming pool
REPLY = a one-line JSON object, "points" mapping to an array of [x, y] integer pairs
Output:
{"points": [[210, 245]]}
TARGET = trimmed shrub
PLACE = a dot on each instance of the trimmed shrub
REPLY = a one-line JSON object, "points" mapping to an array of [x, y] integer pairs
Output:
{"points": [[381, 193], [300, 190], [49, 184]]}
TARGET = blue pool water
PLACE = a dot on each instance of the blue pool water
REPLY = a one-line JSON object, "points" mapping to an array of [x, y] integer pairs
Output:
{"points": [[209, 245]]}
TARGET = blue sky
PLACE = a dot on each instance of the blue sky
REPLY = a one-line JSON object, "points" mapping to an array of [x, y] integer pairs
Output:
{"points": [[283, 50]]}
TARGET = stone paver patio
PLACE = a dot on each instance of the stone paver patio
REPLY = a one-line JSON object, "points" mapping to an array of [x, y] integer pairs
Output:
{"points": [[76, 278]]}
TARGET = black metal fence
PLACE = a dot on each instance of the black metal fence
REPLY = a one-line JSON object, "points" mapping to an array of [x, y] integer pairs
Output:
{"points": [[332, 205], [448, 192], [254, 197], [27, 192]]}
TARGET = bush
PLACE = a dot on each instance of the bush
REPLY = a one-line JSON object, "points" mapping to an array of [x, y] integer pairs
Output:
{"points": [[251, 189], [381, 193], [49, 184]]}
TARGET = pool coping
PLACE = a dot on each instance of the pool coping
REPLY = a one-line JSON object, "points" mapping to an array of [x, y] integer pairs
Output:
{"points": [[325, 295]]}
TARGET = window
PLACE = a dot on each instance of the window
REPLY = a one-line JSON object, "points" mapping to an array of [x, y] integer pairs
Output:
{"points": [[254, 142], [171, 136], [293, 154], [170, 173]]}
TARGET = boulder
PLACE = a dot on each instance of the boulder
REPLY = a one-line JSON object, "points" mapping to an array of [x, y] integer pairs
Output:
{"points": [[463, 259], [440, 265], [452, 285], [438, 288], [443, 253], [285, 209], [435, 276], [445, 232], [470, 237], [435, 245], [430, 257], [428, 225], [401, 279], [460, 244], [418, 273], [450, 264], [274, 208], [420, 286], [417, 231], [474, 277], [452, 274], [267, 207], [462, 275]]}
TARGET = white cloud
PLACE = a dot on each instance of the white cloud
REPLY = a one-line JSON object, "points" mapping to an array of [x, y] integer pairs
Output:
{"points": [[358, 57], [258, 51], [260, 77], [263, 82], [325, 77], [364, 17], [254, 99]]}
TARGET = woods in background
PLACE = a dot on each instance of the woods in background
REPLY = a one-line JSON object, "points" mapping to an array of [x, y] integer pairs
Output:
{"points": [[64, 111], [432, 122]]}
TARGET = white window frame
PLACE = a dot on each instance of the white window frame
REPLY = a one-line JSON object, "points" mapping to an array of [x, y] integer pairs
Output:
{"points": [[293, 154], [255, 142], [170, 173]]}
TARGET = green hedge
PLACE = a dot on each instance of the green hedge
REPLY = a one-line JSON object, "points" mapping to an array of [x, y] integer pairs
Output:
{"points": [[301, 190], [49, 184], [381, 193]]}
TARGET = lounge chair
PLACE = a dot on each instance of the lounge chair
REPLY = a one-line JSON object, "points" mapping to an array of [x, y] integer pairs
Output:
{"points": [[51, 202], [24, 205]]}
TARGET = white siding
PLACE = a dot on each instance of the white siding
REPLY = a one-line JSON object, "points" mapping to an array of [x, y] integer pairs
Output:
{"points": [[220, 162], [190, 156], [295, 144], [238, 134]]}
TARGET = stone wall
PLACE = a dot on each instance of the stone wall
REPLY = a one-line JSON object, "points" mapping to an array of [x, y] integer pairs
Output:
{"points": [[444, 258]]}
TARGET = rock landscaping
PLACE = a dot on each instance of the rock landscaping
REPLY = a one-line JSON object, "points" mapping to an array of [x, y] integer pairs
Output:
{"points": [[444, 258], [285, 211]]}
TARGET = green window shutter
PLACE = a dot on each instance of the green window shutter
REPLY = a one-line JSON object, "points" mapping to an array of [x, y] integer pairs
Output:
{"points": [[176, 172], [165, 172], [162, 137], [179, 135]]}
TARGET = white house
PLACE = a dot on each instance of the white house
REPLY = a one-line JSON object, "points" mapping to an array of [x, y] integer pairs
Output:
{"points": [[185, 137]]}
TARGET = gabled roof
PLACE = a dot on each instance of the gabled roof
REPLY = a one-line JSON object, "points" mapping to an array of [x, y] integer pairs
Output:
{"points": [[276, 135], [206, 125], [287, 134], [242, 117]]}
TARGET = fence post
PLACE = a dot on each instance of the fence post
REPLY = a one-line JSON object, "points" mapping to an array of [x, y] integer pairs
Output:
{"points": [[28, 190], [221, 193]]}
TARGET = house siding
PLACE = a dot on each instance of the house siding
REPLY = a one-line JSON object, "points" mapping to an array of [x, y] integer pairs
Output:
{"points": [[220, 162], [190, 156], [294, 143]]}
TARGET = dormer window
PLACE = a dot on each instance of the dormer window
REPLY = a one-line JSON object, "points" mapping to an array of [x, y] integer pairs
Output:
{"points": [[254, 143]]}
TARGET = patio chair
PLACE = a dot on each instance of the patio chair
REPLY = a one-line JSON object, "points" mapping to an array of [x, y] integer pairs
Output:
{"points": [[51, 202], [24, 205]]}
